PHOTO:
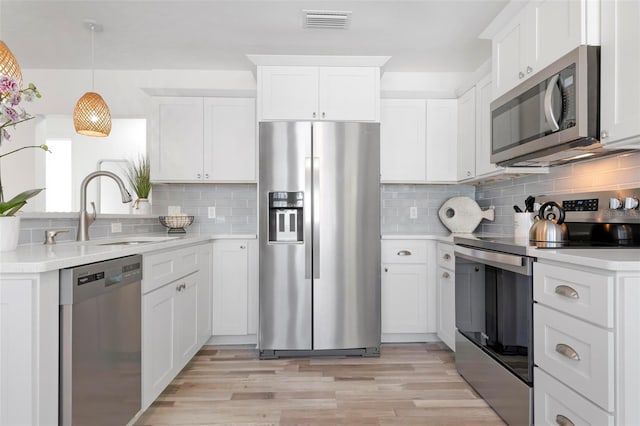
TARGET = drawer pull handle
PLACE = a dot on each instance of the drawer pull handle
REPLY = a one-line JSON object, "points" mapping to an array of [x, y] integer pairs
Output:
{"points": [[568, 351], [563, 421], [445, 275], [566, 291], [404, 253], [446, 256]]}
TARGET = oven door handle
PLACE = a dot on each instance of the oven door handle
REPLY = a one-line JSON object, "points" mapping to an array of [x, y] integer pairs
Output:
{"points": [[511, 262]]}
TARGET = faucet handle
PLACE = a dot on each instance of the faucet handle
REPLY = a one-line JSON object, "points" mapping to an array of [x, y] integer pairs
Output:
{"points": [[93, 215], [50, 235]]}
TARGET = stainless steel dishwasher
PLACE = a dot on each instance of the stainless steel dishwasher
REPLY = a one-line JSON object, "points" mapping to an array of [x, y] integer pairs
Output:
{"points": [[100, 342]]}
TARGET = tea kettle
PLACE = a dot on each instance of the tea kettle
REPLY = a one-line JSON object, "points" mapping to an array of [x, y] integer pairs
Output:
{"points": [[546, 228]]}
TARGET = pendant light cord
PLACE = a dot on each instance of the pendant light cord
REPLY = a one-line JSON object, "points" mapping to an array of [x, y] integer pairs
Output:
{"points": [[93, 70]]}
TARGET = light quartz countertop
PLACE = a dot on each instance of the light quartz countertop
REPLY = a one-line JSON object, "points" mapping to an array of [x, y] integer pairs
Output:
{"points": [[36, 258], [445, 238], [613, 259]]}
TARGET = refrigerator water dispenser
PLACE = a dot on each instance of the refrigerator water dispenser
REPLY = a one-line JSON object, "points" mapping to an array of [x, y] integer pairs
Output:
{"points": [[286, 217]]}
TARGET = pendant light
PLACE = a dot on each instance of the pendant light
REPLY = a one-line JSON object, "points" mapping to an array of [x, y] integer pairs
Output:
{"points": [[91, 116], [9, 65]]}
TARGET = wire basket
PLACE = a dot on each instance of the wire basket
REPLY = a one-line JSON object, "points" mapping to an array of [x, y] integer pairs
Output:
{"points": [[176, 224]]}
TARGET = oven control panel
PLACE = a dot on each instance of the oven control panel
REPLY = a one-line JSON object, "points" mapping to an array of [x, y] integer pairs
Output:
{"points": [[588, 205]]}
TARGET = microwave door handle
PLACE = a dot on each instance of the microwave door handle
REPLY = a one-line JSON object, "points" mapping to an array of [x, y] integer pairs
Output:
{"points": [[548, 107]]}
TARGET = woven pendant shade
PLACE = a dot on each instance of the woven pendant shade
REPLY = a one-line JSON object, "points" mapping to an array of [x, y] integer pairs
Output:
{"points": [[91, 116], [9, 65]]}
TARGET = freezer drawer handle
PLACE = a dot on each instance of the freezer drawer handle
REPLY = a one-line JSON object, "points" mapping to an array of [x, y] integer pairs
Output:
{"points": [[563, 421], [404, 253], [568, 351], [566, 291]]}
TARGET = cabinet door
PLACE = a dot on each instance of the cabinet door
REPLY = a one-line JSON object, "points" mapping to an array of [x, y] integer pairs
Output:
{"points": [[230, 285], [404, 298], [204, 293], [483, 127], [402, 140], [288, 93], [229, 139], [253, 280], [556, 27], [159, 331], [508, 56], [442, 140], [446, 296], [176, 140], [620, 71], [467, 135], [186, 319], [349, 93]]}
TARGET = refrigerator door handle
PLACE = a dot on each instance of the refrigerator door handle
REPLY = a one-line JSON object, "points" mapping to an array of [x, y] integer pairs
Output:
{"points": [[316, 217], [307, 218]]}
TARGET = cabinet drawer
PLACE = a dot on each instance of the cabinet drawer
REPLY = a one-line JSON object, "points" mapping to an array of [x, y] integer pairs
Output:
{"points": [[445, 256], [577, 353], [161, 268], [404, 251], [555, 402], [586, 295]]}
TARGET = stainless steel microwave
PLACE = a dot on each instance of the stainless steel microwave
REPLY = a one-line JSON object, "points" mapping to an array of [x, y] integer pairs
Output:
{"points": [[553, 117]]}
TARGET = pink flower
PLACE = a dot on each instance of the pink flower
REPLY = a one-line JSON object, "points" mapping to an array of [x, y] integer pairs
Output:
{"points": [[5, 135], [9, 113], [15, 99], [8, 84]]}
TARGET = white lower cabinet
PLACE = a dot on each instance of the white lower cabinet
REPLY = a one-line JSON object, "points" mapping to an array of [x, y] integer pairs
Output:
{"points": [[175, 315], [29, 311], [586, 346], [408, 291], [234, 291], [446, 295]]}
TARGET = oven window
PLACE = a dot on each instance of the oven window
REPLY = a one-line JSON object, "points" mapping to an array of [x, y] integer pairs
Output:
{"points": [[494, 310]]}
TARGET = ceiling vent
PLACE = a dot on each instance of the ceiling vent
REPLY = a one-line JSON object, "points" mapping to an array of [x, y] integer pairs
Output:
{"points": [[331, 19]]}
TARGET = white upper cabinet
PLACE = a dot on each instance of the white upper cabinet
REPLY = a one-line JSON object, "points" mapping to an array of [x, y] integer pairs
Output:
{"points": [[194, 139], [442, 140], [620, 73], [418, 140], [175, 136], [483, 128], [402, 140], [544, 31], [319, 93], [467, 135], [230, 136]]}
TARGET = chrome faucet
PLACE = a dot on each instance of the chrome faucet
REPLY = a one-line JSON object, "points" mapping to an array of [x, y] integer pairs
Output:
{"points": [[86, 219]]}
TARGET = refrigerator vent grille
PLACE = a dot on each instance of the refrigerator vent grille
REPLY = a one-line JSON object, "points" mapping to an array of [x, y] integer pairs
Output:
{"points": [[327, 19]]}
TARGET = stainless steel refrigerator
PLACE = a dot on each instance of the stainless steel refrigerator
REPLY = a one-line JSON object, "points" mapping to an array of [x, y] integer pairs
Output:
{"points": [[319, 230]]}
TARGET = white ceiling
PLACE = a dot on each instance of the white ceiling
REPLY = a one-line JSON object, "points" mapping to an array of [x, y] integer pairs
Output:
{"points": [[419, 35]]}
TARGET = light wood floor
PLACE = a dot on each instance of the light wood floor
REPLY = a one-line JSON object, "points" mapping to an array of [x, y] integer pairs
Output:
{"points": [[410, 384]]}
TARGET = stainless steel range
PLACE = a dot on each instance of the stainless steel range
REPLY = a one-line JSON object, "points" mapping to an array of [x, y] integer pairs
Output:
{"points": [[494, 295]]}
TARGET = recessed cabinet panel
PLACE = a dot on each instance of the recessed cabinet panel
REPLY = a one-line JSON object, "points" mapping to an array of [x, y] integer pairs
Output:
{"points": [[230, 288], [289, 93], [467, 135], [404, 298], [483, 128], [349, 93], [178, 135], [620, 71], [402, 140], [442, 140], [230, 151], [508, 57]]}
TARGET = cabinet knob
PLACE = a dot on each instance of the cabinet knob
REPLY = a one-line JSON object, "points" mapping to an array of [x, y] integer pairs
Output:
{"points": [[445, 275], [198, 175], [242, 247], [206, 175], [323, 115], [520, 75], [529, 69], [446, 256], [604, 134], [386, 269], [468, 173], [314, 115]]}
